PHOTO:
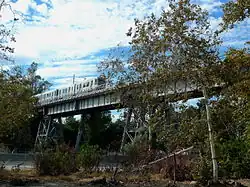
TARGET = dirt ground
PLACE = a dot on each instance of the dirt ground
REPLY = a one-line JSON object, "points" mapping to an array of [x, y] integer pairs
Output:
{"points": [[29, 178]]}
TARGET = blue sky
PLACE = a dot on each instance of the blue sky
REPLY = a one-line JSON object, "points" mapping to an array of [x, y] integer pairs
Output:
{"points": [[69, 37]]}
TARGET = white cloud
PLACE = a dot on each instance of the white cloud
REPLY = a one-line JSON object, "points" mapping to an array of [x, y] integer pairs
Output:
{"points": [[238, 36], [43, 9], [76, 28], [78, 70], [23, 6], [211, 6], [72, 62], [69, 80], [71, 29]]}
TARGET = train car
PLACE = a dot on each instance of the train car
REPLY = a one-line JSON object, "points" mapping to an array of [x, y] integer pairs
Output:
{"points": [[86, 85]]}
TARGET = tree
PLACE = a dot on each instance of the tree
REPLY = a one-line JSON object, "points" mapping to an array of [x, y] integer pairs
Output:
{"points": [[6, 34], [71, 126], [36, 82], [112, 135], [232, 111], [17, 107], [16, 91], [235, 11], [95, 127], [91, 127], [167, 51]]}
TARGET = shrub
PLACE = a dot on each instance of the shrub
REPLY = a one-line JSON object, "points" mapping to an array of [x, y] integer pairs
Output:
{"points": [[137, 152], [234, 161], [89, 157], [202, 169], [62, 160]]}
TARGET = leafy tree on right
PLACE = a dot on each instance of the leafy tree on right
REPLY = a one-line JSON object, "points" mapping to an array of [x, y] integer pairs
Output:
{"points": [[179, 45]]}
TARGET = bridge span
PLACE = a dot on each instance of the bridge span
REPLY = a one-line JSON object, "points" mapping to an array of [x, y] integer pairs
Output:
{"points": [[100, 98], [107, 98]]}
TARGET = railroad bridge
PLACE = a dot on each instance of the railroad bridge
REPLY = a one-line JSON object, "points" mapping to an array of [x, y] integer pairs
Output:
{"points": [[101, 98]]}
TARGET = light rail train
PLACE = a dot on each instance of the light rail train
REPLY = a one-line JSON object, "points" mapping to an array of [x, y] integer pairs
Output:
{"points": [[86, 85]]}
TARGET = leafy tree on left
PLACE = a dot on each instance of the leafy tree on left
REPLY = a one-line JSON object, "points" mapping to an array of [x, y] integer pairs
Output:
{"points": [[17, 111], [17, 106]]}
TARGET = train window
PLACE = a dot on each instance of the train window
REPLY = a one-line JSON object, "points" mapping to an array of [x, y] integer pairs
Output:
{"points": [[91, 83], [101, 81], [80, 86], [87, 84], [95, 81]]}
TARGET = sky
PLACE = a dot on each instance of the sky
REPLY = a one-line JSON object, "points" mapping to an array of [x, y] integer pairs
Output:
{"points": [[67, 37]]}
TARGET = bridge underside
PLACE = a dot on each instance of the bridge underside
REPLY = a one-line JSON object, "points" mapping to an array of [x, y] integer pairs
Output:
{"points": [[108, 101]]}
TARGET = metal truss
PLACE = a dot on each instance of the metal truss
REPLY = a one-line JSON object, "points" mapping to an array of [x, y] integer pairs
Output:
{"points": [[132, 129], [49, 132]]}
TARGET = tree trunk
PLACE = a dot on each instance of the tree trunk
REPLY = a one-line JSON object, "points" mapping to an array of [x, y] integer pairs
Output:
{"points": [[149, 137], [211, 141], [60, 128], [78, 139]]}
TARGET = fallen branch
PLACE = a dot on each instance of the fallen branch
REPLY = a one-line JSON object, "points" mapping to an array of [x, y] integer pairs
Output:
{"points": [[168, 156], [165, 157]]}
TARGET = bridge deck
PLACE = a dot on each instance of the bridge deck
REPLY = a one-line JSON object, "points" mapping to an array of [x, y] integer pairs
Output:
{"points": [[103, 99]]}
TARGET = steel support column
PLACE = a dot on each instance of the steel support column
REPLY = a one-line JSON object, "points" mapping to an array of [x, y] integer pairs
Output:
{"points": [[49, 132]]}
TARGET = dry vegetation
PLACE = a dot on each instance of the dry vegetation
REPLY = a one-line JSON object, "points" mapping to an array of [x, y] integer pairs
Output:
{"points": [[30, 177]]}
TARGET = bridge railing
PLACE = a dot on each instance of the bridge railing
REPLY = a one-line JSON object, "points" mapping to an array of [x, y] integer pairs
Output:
{"points": [[82, 93], [180, 87]]}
